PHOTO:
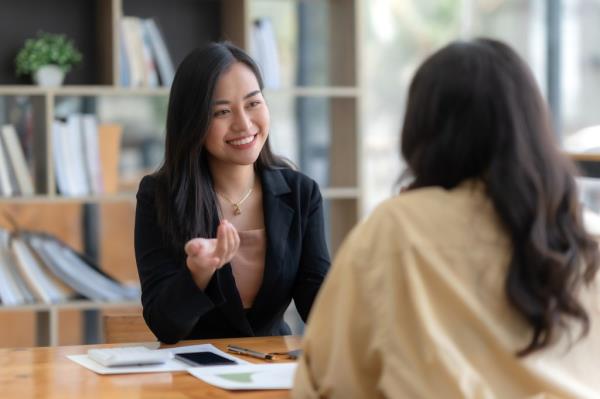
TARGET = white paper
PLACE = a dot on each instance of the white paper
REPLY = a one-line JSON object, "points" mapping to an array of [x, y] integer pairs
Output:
{"points": [[250, 376], [170, 365]]}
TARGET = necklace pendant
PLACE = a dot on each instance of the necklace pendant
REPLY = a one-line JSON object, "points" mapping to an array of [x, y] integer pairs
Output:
{"points": [[236, 210]]}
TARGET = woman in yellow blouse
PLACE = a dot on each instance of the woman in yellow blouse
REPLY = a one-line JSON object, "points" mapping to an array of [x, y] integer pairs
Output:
{"points": [[479, 281]]}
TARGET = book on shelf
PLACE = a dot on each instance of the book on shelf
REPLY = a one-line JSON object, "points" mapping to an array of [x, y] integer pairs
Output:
{"points": [[265, 52], [76, 154], [91, 142], [151, 72], [13, 289], [132, 40], [60, 148], [6, 182], [20, 112], [124, 67], [16, 160]]}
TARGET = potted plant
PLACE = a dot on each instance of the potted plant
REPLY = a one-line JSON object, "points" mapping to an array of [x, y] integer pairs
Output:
{"points": [[47, 57]]}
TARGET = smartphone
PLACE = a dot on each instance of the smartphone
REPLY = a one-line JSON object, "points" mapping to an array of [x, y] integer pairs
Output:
{"points": [[203, 359]]}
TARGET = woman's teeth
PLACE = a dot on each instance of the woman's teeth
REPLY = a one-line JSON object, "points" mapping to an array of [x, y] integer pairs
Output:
{"points": [[243, 141]]}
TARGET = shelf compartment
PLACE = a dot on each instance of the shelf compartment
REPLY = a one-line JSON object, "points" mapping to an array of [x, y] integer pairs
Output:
{"points": [[85, 22]]}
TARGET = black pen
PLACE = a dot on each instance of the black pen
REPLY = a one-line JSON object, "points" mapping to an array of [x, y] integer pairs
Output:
{"points": [[249, 352]]}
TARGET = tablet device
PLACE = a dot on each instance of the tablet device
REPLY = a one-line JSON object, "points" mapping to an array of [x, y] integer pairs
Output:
{"points": [[203, 359]]}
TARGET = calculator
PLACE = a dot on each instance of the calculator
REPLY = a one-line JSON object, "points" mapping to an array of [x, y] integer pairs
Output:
{"points": [[128, 356]]}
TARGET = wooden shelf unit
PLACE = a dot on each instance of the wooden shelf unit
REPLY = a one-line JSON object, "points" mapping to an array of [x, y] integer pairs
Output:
{"points": [[185, 24]]}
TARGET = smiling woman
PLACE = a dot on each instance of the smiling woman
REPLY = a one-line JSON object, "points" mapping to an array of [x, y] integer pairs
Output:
{"points": [[226, 233]]}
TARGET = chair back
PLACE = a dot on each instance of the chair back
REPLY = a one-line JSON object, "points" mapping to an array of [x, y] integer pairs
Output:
{"points": [[123, 328]]}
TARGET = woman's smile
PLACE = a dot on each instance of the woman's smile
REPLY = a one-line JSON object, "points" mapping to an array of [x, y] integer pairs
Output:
{"points": [[243, 142]]}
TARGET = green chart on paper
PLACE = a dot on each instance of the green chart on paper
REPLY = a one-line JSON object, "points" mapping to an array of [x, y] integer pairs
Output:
{"points": [[238, 377]]}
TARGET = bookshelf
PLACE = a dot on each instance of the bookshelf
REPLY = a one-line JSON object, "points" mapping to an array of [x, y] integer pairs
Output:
{"points": [[320, 74]]}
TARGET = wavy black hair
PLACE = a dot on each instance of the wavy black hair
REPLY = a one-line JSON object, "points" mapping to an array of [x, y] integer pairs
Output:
{"points": [[475, 111], [185, 197]]}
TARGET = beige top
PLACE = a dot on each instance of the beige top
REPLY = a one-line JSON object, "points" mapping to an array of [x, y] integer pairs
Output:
{"points": [[248, 264], [414, 307]]}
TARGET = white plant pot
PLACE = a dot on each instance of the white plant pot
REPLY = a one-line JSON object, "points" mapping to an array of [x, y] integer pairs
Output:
{"points": [[49, 76]]}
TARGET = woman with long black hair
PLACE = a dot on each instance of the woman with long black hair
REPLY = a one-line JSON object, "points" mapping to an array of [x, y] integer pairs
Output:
{"points": [[479, 281], [226, 233]]}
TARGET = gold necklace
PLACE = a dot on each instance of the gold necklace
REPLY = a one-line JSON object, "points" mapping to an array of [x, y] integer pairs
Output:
{"points": [[236, 205]]}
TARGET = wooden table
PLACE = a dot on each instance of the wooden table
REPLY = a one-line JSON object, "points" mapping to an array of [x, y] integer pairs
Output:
{"points": [[47, 373]]}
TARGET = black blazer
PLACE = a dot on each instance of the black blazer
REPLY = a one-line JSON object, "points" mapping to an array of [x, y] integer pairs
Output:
{"points": [[296, 262]]}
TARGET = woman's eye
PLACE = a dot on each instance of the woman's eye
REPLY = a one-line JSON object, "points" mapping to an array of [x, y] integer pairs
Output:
{"points": [[221, 112], [253, 104]]}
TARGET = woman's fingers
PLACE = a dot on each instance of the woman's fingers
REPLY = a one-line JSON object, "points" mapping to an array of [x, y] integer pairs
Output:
{"points": [[234, 241], [200, 253], [227, 242], [221, 248]]}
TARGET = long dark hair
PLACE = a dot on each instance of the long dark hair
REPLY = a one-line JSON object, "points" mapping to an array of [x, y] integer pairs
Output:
{"points": [[474, 111], [185, 198]]}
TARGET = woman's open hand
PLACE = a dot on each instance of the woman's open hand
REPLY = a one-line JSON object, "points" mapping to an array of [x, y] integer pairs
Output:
{"points": [[206, 255]]}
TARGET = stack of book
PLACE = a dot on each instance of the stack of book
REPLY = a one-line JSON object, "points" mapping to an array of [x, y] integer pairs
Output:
{"points": [[143, 54], [36, 267], [85, 155]]}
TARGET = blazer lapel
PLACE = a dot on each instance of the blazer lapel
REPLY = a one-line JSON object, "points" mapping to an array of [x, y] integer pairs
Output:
{"points": [[278, 219]]}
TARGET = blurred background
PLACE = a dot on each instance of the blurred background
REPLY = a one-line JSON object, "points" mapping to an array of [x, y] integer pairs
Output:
{"points": [[336, 77], [555, 37]]}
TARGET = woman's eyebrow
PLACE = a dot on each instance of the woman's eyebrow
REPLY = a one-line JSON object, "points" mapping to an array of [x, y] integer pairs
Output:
{"points": [[251, 94]]}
